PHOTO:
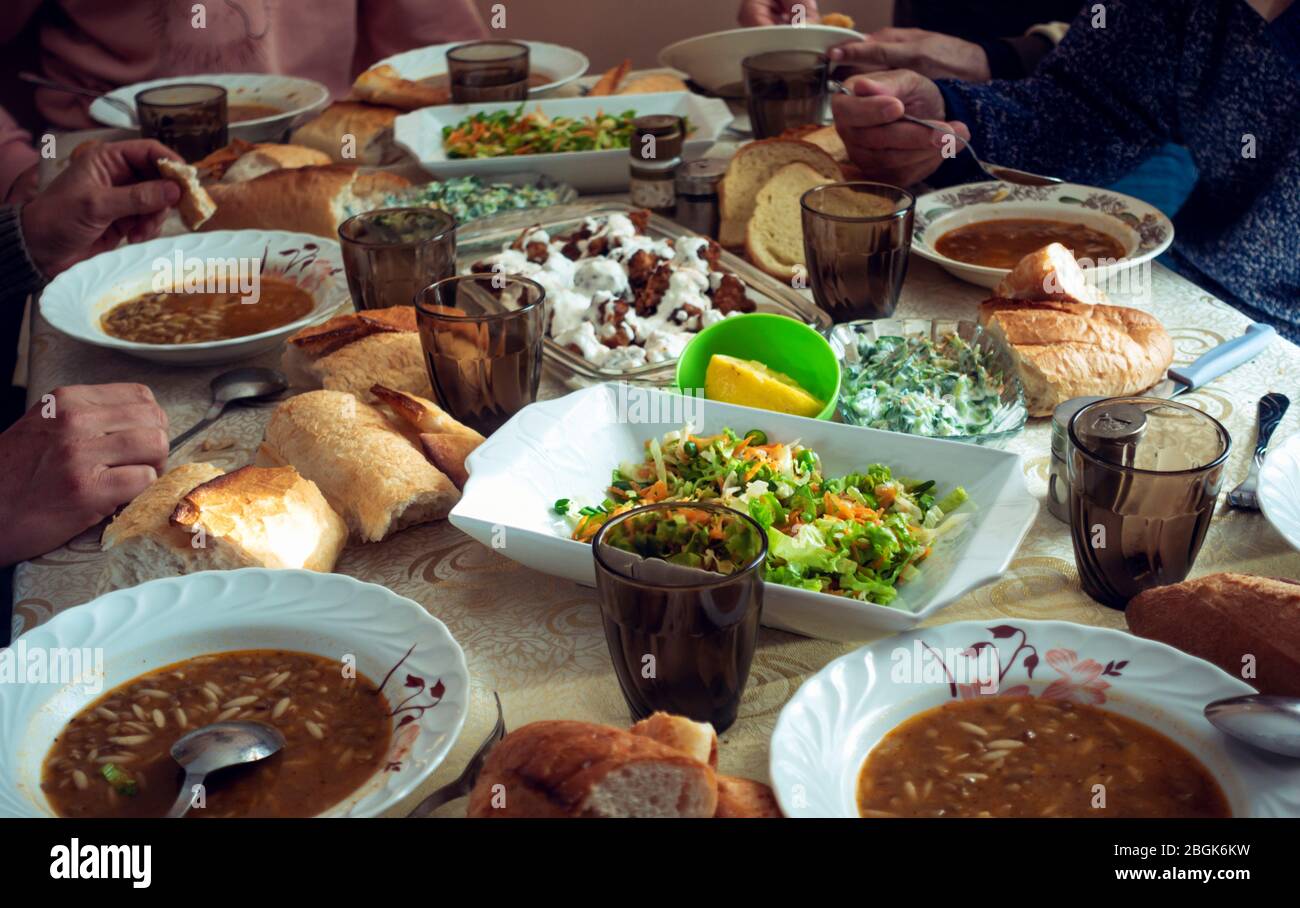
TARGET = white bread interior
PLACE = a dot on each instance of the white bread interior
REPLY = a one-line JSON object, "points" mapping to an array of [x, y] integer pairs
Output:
{"points": [[697, 739], [774, 234], [196, 206], [750, 168]]}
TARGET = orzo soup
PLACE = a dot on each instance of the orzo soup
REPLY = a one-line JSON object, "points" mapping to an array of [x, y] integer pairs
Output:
{"points": [[113, 758]]}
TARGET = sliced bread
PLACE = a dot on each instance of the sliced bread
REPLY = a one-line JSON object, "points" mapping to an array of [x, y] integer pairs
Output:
{"points": [[774, 235], [751, 167]]}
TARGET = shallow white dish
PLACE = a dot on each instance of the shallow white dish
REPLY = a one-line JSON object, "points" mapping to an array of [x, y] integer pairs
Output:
{"points": [[75, 301], [296, 99], [420, 133], [155, 624], [563, 63], [713, 61], [1142, 229], [825, 732], [567, 448], [1279, 489]]}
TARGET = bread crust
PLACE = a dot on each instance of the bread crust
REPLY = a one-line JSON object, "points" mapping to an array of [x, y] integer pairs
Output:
{"points": [[1050, 273], [696, 739], [1224, 618], [746, 175], [384, 85], [548, 769], [370, 124], [303, 199], [745, 799], [149, 513]]}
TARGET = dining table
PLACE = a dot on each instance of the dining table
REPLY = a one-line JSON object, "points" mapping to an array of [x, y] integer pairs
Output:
{"points": [[537, 640]]}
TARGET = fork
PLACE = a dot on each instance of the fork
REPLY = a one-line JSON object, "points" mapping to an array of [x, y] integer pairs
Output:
{"points": [[464, 783], [1272, 407]]}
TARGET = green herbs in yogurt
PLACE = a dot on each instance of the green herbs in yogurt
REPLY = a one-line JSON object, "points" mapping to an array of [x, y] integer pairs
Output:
{"points": [[918, 386]]}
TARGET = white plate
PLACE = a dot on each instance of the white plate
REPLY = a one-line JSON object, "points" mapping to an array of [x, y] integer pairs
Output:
{"points": [[825, 732], [155, 624], [563, 63], [713, 61], [420, 133], [75, 301], [1279, 489], [567, 448], [1142, 229], [296, 99]]}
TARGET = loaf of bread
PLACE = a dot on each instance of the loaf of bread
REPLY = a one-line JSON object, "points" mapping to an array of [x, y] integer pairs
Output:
{"points": [[357, 350], [576, 769], [774, 235], [368, 470], [750, 169], [310, 199], [197, 518], [352, 133], [1232, 620], [384, 85], [266, 157], [745, 799], [1065, 350]]}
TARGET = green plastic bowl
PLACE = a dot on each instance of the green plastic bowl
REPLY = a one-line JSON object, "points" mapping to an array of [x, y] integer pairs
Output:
{"points": [[776, 341]]}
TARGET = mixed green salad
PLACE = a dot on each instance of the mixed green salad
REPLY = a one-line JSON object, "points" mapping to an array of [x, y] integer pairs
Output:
{"points": [[467, 198], [513, 132], [918, 386], [858, 535]]}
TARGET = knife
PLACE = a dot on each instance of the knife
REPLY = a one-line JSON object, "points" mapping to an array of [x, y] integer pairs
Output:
{"points": [[1223, 358]]}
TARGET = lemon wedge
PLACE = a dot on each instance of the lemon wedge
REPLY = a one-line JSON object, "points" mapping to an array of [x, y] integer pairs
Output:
{"points": [[752, 384]]}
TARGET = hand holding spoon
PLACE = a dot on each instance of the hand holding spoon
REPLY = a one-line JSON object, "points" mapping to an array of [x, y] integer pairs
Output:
{"points": [[249, 383], [219, 746]]}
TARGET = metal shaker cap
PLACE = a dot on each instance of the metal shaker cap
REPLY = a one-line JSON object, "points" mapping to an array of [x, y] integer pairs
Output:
{"points": [[701, 177], [1061, 420], [1110, 430]]}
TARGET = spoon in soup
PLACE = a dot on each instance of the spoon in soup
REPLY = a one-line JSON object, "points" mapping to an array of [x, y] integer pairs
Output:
{"points": [[219, 746], [996, 171], [249, 383], [1267, 722]]}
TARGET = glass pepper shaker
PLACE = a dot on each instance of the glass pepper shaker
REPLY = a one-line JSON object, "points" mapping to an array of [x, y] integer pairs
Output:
{"points": [[697, 195], [656, 153]]}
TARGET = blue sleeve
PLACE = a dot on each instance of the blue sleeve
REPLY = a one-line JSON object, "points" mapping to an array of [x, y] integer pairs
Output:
{"points": [[1096, 107]]}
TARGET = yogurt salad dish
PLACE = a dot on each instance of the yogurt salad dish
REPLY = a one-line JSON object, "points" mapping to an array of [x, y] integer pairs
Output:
{"points": [[618, 297]]}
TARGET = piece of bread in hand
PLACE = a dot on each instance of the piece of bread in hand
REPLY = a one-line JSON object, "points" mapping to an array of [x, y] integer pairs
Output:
{"points": [[577, 769], [750, 169], [268, 516], [1232, 620], [384, 85], [196, 206], [446, 442], [745, 799], [697, 739], [1067, 350], [266, 157], [1050, 273], [351, 132], [774, 235], [368, 470]]}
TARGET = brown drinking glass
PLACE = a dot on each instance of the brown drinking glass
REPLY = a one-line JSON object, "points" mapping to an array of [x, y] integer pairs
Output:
{"points": [[488, 71], [784, 88], [1144, 477], [482, 337], [391, 254], [190, 118], [856, 239], [681, 638]]}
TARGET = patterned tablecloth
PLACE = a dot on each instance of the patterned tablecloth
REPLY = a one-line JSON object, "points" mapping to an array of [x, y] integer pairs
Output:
{"points": [[537, 640]]}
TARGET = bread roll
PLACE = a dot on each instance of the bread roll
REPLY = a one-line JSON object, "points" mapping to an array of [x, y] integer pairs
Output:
{"points": [[1066, 350], [750, 168], [1225, 618], [696, 739], [1051, 273], [368, 471], [774, 235], [576, 769], [248, 518], [196, 207], [745, 799], [354, 351], [384, 85], [365, 129]]}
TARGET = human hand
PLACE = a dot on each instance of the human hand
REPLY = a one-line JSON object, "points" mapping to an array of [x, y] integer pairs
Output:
{"points": [[776, 12], [71, 459], [24, 187], [879, 143], [932, 54], [109, 193]]}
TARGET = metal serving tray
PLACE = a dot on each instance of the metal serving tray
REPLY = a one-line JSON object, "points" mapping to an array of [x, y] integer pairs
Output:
{"points": [[486, 237]]}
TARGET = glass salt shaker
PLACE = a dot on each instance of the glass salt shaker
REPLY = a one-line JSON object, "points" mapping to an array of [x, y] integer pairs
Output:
{"points": [[697, 195], [656, 153]]}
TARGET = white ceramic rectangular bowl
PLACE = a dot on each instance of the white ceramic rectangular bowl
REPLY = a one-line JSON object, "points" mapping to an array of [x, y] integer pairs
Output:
{"points": [[420, 133], [567, 448]]}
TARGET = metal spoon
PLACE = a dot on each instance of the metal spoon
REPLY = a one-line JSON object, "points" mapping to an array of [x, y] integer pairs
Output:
{"points": [[218, 746], [996, 171], [1267, 722], [250, 383], [43, 82]]}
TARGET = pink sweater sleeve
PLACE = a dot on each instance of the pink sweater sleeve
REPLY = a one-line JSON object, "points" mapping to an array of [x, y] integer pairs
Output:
{"points": [[386, 27], [16, 152]]}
